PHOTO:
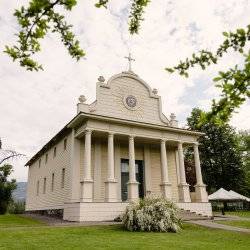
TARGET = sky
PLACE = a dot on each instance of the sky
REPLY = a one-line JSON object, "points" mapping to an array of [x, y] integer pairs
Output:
{"points": [[34, 106]]}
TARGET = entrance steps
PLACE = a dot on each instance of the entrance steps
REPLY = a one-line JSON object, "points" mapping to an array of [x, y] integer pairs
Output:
{"points": [[187, 215]]}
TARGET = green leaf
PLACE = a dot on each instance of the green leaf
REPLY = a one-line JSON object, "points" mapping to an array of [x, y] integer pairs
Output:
{"points": [[169, 70], [225, 34], [216, 79]]}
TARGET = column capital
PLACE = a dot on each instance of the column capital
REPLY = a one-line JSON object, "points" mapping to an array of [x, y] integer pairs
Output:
{"points": [[111, 134], [88, 131], [131, 137], [163, 140], [196, 144], [180, 142]]}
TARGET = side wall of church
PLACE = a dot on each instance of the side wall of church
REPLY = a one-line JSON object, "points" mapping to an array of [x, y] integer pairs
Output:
{"points": [[43, 197]]}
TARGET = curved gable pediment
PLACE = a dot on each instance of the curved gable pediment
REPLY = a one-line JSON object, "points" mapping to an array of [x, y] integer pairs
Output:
{"points": [[127, 96]]}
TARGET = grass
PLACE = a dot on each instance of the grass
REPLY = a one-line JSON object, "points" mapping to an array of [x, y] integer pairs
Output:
{"points": [[236, 223], [114, 237], [235, 213], [239, 213], [11, 220]]}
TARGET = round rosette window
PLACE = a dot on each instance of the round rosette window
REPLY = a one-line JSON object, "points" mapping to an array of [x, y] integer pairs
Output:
{"points": [[130, 102]]}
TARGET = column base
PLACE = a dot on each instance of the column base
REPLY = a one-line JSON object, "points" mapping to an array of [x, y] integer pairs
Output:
{"points": [[184, 193], [111, 191], [201, 193], [166, 190], [133, 193], [87, 190]]}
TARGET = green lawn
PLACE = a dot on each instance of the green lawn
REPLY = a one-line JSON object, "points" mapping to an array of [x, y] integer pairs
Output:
{"points": [[235, 213], [114, 237], [236, 223], [11, 220], [240, 213]]}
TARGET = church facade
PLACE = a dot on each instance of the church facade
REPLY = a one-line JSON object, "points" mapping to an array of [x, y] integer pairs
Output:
{"points": [[115, 150]]}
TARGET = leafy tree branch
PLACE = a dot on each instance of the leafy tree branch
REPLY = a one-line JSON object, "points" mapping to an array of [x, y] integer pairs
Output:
{"points": [[136, 13], [235, 40], [35, 22], [233, 83], [40, 17], [235, 86]]}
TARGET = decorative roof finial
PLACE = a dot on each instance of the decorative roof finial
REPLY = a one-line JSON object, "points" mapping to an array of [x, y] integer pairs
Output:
{"points": [[155, 91], [82, 99], [130, 59], [101, 79]]}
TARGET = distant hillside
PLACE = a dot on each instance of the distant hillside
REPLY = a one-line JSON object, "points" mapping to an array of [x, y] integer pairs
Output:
{"points": [[20, 192]]}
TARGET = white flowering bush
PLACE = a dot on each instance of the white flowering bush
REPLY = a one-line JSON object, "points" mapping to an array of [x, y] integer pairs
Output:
{"points": [[151, 214]]}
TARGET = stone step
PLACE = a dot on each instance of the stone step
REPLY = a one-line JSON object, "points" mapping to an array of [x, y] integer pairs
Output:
{"points": [[188, 215]]}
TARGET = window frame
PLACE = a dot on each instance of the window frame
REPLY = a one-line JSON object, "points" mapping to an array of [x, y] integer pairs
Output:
{"points": [[65, 141], [54, 152], [63, 178], [37, 187], [52, 182], [44, 185]]}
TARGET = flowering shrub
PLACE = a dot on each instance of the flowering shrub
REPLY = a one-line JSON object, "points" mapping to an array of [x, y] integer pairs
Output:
{"points": [[151, 214]]}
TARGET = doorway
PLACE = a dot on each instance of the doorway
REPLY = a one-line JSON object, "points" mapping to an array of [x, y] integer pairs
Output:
{"points": [[139, 172]]}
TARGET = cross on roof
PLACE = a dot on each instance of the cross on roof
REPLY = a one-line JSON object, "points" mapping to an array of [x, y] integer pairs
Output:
{"points": [[130, 59]]}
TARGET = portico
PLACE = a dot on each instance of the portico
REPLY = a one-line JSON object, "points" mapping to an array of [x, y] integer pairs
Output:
{"points": [[165, 144]]}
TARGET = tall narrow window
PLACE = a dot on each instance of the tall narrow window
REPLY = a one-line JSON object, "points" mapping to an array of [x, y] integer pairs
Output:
{"points": [[44, 185], [54, 152], [46, 158], [52, 182], [37, 188], [39, 163], [65, 144], [63, 177]]}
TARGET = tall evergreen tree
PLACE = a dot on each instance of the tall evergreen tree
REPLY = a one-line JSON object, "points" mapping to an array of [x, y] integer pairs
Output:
{"points": [[220, 154]]}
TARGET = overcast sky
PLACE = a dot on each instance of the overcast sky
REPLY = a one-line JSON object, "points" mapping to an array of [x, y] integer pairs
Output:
{"points": [[34, 106]]}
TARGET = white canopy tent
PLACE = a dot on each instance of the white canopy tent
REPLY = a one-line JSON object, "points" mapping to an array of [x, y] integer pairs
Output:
{"points": [[223, 195], [240, 196]]}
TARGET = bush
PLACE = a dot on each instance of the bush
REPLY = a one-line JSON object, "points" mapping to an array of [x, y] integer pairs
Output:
{"points": [[151, 214], [17, 207]]}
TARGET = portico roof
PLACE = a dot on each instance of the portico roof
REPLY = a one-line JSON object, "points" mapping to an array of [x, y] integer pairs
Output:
{"points": [[83, 116], [80, 117]]}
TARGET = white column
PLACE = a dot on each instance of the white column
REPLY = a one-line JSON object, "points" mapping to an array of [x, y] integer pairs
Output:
{"points": [[164, 163], [111, 183], [184, 193], [111, 160], [133, 193], [200, 188], [132, 177], [147, 170], [165, 185], [87, 156], [199, 180], [181, 164], [74, 171], [87, 183]]}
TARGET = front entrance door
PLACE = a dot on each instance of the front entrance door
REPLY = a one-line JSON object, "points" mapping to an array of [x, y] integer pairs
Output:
{"points": [[139, 170]]}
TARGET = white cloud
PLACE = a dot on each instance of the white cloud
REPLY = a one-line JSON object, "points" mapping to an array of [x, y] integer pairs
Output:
{"points": [[34, 106]]}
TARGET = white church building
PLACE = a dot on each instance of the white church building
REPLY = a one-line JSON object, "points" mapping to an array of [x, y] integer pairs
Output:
{"points": [[115, 150]]}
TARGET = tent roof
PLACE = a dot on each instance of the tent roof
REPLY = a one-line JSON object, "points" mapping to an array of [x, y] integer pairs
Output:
{"points": [[222, 194], [240, 196]]}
